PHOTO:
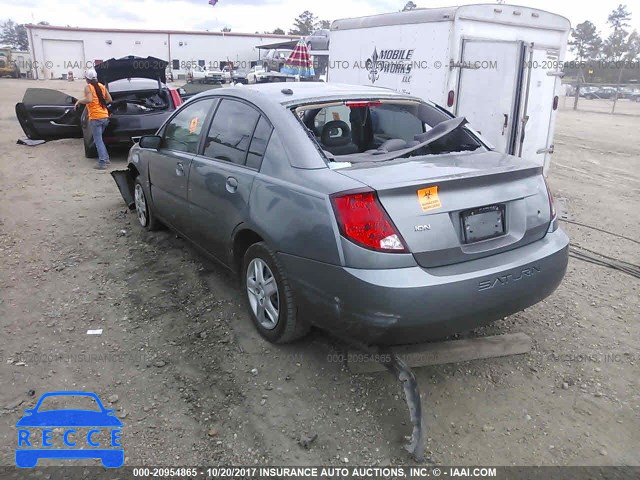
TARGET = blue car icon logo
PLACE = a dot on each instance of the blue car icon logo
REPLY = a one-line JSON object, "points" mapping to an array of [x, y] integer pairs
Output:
{"points": [[69, 433]]}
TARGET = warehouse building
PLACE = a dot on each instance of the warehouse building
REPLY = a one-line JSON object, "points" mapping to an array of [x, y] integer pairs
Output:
{"points": [[58, 51]]}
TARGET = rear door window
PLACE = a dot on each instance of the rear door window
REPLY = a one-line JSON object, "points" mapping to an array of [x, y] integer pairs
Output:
{"points": [[231, 132], [182, 133], [259, 143]]}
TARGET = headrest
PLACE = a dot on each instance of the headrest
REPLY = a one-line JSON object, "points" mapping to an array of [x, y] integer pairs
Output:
{"points": [[335, 133]]}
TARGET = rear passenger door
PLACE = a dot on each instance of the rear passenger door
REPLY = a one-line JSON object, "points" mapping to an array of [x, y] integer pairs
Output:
{"points": [[221, 177], [169, 165]]}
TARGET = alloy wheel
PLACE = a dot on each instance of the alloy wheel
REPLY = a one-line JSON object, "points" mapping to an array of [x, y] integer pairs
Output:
{"points": [[141, 205], [262, 290]]}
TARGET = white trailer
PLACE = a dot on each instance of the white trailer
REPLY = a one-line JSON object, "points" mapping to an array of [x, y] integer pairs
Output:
{"points": [[497, 65]]}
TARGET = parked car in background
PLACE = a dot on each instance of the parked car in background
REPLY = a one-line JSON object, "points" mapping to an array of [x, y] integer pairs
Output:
{"points": [[197, 74], [275, 59], [601, 93], [215, 75], [369, 213], [625, 92], [227, 72], [141, 103], [318, 40], [239, 75], [256, 74], [586, 90]]}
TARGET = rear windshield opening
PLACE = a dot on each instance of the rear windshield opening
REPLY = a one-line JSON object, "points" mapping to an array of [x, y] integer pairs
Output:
{"points": [[135, 103], [371, 130]]}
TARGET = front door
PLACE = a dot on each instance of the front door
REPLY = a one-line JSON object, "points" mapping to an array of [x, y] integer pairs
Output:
{"points": [[221, 177], [169, 165], [46, 114], [489, 88]]}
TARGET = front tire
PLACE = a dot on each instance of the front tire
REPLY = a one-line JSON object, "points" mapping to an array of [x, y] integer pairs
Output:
{"points": [[269, 296], [145, 215]]}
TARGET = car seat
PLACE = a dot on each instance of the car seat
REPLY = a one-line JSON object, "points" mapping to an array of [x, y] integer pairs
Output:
{"points": [[336, 138]]}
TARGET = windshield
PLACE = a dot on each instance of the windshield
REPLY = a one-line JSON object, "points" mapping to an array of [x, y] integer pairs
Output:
{"points": [[358, 131], [65, 402]]}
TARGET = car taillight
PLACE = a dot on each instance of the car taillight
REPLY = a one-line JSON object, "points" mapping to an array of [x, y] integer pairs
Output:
{"points": [[552, 206], [175, 96], [362, 220], [450, 98]]}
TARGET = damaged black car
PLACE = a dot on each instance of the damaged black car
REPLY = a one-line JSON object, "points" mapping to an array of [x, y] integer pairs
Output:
{"points": [[141, 103]]}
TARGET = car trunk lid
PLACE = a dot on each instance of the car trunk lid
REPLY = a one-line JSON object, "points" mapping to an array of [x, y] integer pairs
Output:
{"points": [[458, 207], [131, 67]]}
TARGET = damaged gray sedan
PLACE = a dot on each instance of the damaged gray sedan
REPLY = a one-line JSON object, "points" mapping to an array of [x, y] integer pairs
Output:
{"points": [[372, 214]]}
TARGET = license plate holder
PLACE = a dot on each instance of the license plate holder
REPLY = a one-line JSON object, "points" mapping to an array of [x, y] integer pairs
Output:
{"points": [[483, 223]]}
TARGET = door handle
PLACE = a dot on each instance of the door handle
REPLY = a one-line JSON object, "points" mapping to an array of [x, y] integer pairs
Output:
{"points": [[232, 184], [545, 150], [180, 169], [505, 124]]}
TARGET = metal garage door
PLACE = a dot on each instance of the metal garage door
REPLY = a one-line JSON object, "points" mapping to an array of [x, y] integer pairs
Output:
{"points": [[63, 56]]}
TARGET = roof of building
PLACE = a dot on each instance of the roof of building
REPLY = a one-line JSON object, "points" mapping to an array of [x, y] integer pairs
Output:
{"points": [[177, 32]]}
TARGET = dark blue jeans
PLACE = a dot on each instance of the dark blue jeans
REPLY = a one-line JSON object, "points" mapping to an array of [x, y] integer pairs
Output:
{"points": [[97, 128]]}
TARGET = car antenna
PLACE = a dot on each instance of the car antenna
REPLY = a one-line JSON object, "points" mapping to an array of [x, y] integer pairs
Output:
{"points": [[287, 91]]}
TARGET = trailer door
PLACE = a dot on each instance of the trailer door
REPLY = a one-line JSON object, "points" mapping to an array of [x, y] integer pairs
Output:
{"points": [[489, 87], [538, 116]]}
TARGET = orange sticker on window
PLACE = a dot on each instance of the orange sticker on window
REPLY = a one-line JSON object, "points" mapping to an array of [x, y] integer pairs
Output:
{"points": [[428, 198], [194, 125]]}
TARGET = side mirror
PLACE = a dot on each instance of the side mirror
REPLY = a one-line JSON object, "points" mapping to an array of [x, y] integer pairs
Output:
{"points": [[70, 100], [151, 142]]}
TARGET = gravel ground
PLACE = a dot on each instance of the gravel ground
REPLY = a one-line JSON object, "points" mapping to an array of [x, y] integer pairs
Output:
{"points": [[195, 385]]}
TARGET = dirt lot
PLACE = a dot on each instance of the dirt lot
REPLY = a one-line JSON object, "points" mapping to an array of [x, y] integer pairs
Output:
{"points": [[195, 385]]}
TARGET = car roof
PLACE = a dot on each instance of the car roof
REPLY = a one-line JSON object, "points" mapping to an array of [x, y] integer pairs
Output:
{"points": [[133, 84], [309, 92]]}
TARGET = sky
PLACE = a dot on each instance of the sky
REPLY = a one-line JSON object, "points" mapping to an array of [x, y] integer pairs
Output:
{"points": [[249, 16]]}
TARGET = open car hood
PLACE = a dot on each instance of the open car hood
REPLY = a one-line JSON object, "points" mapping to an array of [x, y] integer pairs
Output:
{"points": [[132, 67]]}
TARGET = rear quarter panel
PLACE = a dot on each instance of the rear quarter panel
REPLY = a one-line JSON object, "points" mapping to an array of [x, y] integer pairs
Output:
{"points": [[290, 209]]}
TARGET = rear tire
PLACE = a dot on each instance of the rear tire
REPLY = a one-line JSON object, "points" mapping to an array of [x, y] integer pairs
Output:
{"points": [[145, 215], [269, 296]]}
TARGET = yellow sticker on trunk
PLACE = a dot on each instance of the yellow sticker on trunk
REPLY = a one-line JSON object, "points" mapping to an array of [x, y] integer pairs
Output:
{"points": [[428, 198]]}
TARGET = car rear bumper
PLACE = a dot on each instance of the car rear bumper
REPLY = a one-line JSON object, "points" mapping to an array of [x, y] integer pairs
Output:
{"points": [[409, 305]]}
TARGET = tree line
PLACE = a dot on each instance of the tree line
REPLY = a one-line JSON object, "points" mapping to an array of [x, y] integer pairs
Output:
{"points": [[611, 59]]}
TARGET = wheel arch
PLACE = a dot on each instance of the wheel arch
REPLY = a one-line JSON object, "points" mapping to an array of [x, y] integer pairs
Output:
{"points": [[243, 237]]}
